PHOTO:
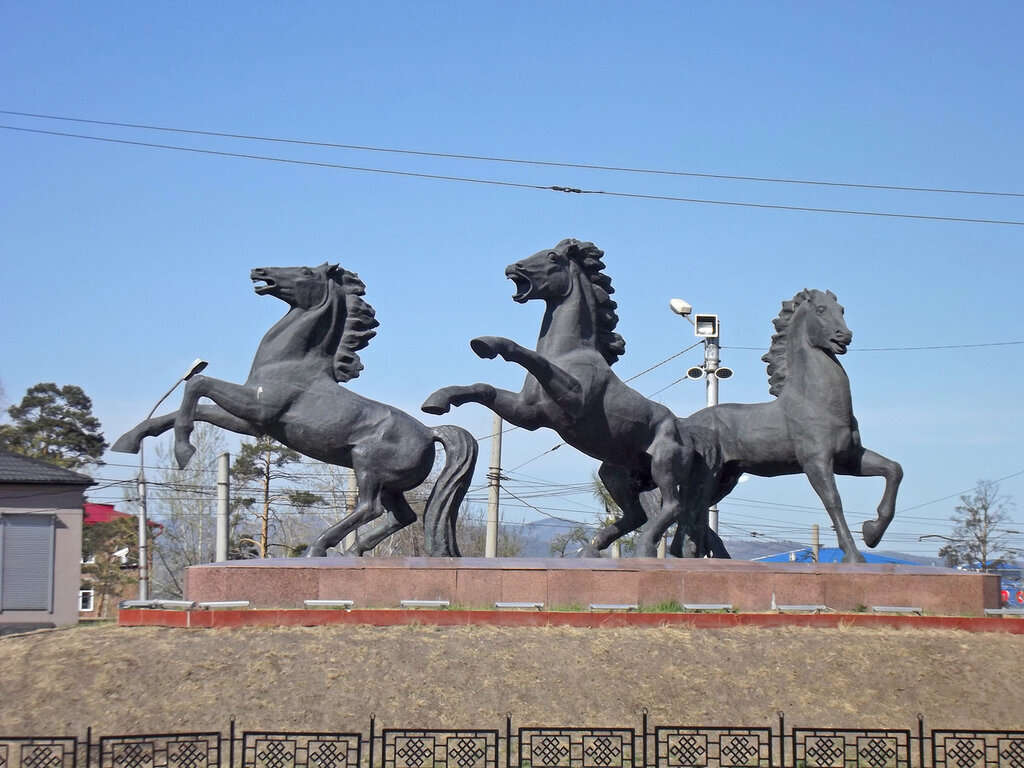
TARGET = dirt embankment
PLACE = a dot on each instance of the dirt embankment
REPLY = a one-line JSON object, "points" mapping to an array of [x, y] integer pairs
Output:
{"points": [[155, 680]]}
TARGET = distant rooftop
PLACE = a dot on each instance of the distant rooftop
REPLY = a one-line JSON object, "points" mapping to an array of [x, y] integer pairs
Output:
{"points": [[15, 468], [828, 555], [100, 513]]}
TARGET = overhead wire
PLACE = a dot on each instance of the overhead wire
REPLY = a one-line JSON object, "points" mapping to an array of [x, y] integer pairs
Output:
{"points": [[515, 161], [522, 185]]}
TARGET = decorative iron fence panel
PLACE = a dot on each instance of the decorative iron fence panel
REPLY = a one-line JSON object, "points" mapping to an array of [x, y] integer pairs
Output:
{"points": [[713, 747], [405, 748], [577, 747], [851, 748], [265, 749], [978, 749], [38, 752], [164, 750]]}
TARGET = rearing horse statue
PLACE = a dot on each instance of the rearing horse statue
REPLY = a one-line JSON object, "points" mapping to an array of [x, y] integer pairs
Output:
{"points": [[809, 428], [293, 395], [571, 388]]}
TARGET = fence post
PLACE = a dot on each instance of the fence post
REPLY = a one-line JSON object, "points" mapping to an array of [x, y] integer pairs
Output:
{"points": [[88, 747], [373, 721], [508, 740], [920, 740], [782, 738], [643, 736], [231, 743]]}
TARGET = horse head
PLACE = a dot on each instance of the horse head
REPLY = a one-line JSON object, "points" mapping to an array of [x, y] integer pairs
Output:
{"points": [[555, 273], [545, 275], [824, 323], [336, 322], [301, 287]]}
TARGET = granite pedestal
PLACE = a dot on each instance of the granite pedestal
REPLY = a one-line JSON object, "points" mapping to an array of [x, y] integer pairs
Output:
{"points": [[372, 582]]}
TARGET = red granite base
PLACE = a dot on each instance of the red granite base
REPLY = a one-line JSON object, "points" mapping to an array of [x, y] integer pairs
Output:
{"points": [[374, 582]]}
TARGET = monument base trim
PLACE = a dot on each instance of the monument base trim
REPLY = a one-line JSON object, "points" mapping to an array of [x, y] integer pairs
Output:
{"points": [[233, 619]]}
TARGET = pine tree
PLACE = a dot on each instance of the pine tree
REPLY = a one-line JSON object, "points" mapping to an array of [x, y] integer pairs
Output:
{"points": [[55, 424]]}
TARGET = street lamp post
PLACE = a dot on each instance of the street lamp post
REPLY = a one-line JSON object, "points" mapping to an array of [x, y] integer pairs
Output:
{"points": [[705, 327], [197, 366]]}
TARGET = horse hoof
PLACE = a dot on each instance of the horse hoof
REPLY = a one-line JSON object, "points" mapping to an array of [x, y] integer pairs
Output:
{"points": [[589, 550], [872, 531], [184, 455], [126, 443], [484, 347], [437, 404]]}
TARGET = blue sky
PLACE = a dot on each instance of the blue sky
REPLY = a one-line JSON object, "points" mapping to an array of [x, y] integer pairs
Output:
{"points": [[122, 263]]}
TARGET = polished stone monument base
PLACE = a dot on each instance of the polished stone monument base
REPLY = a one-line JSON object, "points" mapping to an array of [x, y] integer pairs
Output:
{"points": [[560, 584]]}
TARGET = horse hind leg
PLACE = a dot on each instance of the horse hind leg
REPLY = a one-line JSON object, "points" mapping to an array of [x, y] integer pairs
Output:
{"points": [[399, 515], [619, 483], [368, 507]]}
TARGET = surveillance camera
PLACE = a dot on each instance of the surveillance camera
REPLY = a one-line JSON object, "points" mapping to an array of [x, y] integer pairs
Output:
{"points": [[680, 307]]}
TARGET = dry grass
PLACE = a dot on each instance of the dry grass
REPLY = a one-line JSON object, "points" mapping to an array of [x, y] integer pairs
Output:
{"points": [[138, 680]]}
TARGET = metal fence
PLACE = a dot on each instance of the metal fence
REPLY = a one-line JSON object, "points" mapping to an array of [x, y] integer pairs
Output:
{"points": [[530, 747]]}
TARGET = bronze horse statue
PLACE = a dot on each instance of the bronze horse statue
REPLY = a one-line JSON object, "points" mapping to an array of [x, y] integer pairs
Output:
{"points": [[293, 395], [570, 387], [809, 428]]}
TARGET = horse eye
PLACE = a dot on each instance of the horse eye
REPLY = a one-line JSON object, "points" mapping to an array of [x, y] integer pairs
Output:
{"points": [[821, 309], [552, 256], [307, 271]]}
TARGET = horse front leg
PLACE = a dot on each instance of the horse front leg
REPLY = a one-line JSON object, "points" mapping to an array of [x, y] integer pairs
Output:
{"points": [[819, 472], [131, 441], [513, 407], [243, 402], [871, 464], [560, 386]]}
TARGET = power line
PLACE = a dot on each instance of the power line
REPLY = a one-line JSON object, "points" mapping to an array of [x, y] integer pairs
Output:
{"points": [[515, 161], [906, 349], [520, 185]]}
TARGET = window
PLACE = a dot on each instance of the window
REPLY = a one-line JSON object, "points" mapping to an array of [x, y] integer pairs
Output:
{"points": [[26, 562], [85, 600]]}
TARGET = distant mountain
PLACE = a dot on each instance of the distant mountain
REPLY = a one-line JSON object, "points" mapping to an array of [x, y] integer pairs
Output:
{"points": [[537, 536]]}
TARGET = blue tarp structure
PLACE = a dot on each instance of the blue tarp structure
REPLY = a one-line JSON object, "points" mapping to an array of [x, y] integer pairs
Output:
{"points": [[826, 555]]}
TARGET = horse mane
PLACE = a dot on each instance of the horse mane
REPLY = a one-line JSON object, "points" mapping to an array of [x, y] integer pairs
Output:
{"points": [[778, 366], [359, 324], [588, 256]]}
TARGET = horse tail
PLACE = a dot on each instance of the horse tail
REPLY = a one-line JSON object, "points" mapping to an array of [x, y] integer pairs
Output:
{"points": [[446, 497]]}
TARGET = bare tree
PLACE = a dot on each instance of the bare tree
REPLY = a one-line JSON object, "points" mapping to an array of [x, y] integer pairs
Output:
{"points": [[979, 538], [183, 502]]}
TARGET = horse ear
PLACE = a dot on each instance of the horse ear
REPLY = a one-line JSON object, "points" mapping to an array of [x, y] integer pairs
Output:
{"points": [[331, 269]]}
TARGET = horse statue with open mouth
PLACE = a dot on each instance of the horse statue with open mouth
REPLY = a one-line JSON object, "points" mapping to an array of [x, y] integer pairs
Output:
{"points": [[570, 387], [809, 428], [293, 394]]}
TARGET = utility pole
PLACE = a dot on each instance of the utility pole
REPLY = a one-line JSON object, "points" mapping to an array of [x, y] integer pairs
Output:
{"points": [[493, 489], [223, 496], [143, 534], [815, 543], [711, 370]]}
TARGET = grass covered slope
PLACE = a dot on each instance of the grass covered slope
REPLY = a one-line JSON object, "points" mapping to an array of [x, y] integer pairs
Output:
{"points": [[153, 680]]}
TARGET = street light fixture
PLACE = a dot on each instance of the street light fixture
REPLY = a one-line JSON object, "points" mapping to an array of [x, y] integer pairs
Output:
{"points": [[197, 366]]}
